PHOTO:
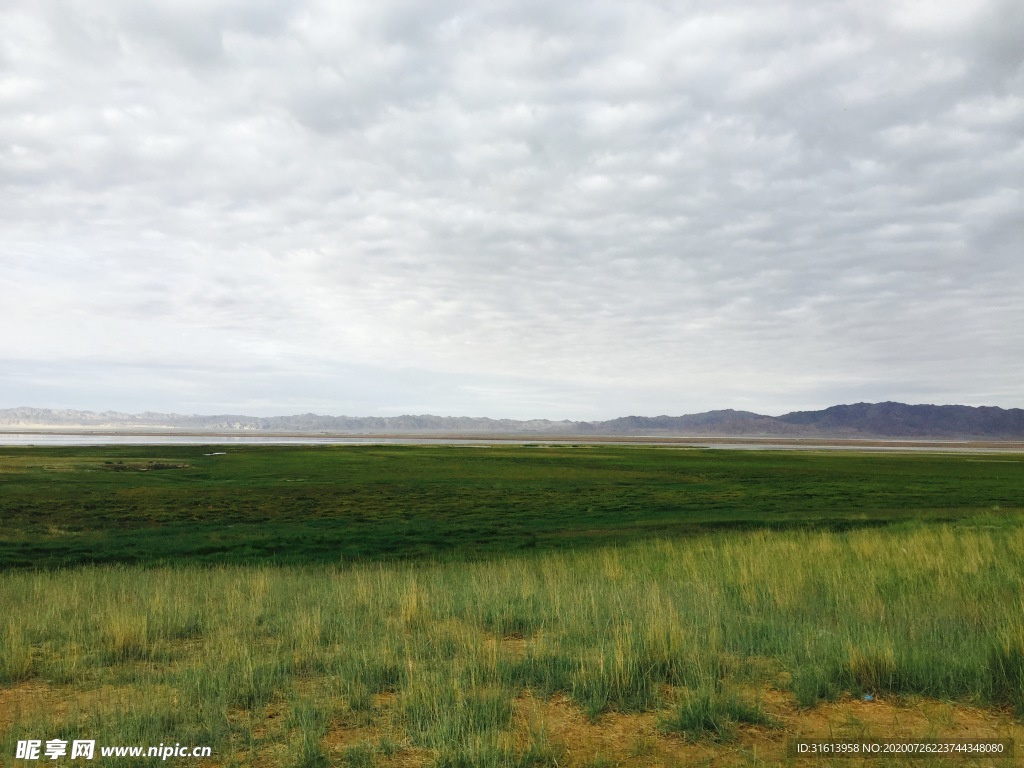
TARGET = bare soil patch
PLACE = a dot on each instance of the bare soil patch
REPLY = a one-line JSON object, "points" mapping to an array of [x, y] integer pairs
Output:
{"points": [[619, 739]]}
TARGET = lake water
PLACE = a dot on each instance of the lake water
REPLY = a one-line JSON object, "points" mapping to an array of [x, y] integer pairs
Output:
{"points": [[25, 438], [884, 446]]}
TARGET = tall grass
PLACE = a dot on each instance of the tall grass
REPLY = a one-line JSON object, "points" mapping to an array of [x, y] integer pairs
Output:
{"points": [[207, 655]]}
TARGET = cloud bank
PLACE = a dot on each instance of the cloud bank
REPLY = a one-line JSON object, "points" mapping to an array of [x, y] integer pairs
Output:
{"points": [[510, 209]]}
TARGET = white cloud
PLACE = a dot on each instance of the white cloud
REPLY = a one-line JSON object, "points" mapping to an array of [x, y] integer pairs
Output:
{"points": [[593, 209]]}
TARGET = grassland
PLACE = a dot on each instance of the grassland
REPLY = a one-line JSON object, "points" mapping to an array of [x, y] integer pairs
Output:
{"points": [[716, 637], [295, 505], [541, 607]]}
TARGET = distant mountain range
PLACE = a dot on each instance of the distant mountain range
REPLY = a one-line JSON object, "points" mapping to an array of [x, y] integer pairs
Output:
{"points": [[857, 420]]}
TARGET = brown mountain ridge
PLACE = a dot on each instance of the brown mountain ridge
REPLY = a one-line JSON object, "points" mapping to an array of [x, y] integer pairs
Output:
{"points": [[885, 420]]}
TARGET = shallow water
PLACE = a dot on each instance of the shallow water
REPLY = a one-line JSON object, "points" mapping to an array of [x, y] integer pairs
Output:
{"points": [[24, 438], [873, 446]]}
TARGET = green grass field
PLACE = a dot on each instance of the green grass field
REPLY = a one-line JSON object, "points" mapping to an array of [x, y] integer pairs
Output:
{"points": [[509, 606], [441, 663], [68, 506]]}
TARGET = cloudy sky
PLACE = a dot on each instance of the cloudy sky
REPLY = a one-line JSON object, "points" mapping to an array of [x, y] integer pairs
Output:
{"points": [[512, 209]]}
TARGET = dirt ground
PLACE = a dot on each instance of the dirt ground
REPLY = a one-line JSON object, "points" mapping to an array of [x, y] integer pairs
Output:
{"points": [[614, 739]]}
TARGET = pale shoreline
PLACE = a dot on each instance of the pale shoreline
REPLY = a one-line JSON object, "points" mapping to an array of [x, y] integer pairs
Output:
{"points": [[82, 436]]}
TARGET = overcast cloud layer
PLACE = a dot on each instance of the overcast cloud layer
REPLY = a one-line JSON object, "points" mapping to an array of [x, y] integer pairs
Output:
{"points": [[521, 209]]}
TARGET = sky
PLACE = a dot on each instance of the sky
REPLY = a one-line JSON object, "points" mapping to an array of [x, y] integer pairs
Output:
{"points": [[511, 209]]}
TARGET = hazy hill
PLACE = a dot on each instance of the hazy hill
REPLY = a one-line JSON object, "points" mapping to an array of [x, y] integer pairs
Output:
{"points": [[306, 422], [902, 420], [857, 420]]}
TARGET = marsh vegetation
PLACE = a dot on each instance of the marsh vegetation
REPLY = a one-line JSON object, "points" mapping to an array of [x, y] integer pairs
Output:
{"points": [[512, 606], [715, 639], [61, 507]]}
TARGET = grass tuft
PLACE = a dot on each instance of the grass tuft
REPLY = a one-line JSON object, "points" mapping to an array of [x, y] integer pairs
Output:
{"points": [[1006, 669], [16, 659], [714, 715], [358, 756], [125, 637]]}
